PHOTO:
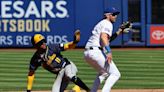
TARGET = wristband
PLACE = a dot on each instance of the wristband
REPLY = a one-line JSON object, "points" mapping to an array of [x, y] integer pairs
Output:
{"points": [[108, 50]]}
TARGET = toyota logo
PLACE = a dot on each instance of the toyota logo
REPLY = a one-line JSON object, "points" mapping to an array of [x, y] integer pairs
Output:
{"points": [[158, 35]]}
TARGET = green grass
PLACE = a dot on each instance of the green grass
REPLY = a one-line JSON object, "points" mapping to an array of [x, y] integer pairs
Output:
{"points": [[139, 69]]}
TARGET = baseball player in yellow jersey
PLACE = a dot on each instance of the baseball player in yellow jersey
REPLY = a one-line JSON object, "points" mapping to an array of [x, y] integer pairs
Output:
{"points": [[98, 53], [50, 58]]}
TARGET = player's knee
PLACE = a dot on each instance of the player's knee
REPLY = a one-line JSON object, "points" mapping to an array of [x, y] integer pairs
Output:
{"points": [[70, 71], [74, 67], [118, 74], [70, 76]]}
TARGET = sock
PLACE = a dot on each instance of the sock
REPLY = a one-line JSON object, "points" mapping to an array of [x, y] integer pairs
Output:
{"points": [[79, 82], [96, 84]]}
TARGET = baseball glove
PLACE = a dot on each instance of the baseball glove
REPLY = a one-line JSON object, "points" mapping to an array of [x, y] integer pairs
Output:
{"points": [[126, 26], [76, 36]]}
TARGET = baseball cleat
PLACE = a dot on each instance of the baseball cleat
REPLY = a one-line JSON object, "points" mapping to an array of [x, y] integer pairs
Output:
{"points": [[76, 88]]}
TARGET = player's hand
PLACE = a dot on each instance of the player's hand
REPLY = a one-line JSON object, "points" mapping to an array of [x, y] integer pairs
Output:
{"points": [[76, 36], [126, 26], [109, 57]]}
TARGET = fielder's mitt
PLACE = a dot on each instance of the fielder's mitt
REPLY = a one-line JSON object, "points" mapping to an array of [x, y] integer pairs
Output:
{"points": [[76, 36], [126, 26]]}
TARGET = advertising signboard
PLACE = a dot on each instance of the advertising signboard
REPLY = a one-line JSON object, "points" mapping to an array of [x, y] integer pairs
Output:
{"points": [[156, 35], [21, 19]]}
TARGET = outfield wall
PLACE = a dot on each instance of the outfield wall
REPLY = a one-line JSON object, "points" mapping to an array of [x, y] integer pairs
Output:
{"points": [[58, 19]]}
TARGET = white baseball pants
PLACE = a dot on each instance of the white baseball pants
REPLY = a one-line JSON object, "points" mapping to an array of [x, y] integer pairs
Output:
{"points": [[61, 82], [97, 59]]}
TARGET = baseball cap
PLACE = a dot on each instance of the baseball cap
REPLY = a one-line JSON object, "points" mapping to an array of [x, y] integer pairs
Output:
{"points": [[111, 10]]}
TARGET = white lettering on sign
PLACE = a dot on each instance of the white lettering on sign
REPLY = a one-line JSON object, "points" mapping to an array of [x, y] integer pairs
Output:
{"points": [[23, 40], [48, 8], [56, 39], [6, 40], [158, 35]]}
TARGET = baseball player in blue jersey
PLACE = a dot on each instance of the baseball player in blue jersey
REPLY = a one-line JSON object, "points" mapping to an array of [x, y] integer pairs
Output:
{"points": [[98, 53], [50, 58]]}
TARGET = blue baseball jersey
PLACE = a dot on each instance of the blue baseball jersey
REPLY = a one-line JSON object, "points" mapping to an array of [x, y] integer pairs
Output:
{"points": [[51, 59]]}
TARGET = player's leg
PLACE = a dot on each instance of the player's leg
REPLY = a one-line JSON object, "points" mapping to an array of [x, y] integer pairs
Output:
{"points": [[71, 71], [64, 83], [111, 80], [97, 60], [57, 84], [96, 84]]}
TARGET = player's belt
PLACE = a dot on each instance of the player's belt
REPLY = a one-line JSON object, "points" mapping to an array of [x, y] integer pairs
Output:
{"points": [[94, 48]]}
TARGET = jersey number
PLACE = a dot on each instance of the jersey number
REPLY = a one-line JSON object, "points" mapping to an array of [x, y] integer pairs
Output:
{"points": [[51, 58]]}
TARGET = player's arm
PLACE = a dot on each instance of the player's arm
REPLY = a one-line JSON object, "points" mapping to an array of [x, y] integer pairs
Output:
{"points": [[104, 38], [114, 36], [105, 42], [72, 44]]}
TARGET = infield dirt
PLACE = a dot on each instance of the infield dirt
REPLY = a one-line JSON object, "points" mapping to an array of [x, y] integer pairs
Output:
{"points": [[124, 90]]}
